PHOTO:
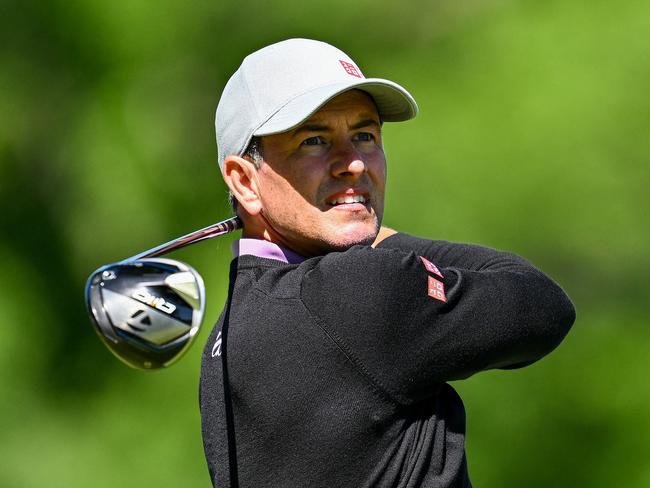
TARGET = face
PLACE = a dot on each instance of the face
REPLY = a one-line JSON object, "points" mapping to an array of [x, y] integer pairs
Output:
{"points": [[321, 185]]}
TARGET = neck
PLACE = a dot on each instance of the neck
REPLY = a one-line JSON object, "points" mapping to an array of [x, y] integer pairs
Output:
{"points": [[259, 228]]}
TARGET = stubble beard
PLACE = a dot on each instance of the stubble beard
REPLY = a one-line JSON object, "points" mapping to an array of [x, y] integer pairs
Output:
{"points": [[318, 236]]}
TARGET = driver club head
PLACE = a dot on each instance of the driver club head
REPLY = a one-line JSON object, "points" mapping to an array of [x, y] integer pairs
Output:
{"points": [[146, 311]]}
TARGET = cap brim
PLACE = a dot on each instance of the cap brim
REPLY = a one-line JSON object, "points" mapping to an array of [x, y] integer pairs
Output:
{"points": [[393, 102]]}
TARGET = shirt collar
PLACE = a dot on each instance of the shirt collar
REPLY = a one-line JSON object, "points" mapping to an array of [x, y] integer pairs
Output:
{"points": [[265, 249]]}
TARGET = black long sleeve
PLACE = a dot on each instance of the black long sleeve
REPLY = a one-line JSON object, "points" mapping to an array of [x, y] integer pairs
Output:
{"points": [[496, 311], [331, 372]]}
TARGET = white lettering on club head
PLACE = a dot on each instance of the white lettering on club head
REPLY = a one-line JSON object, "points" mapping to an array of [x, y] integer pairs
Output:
{"points": [[154, 301]]}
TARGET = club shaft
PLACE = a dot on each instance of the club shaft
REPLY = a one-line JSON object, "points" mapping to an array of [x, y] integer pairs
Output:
{"points": [[214, 230]]}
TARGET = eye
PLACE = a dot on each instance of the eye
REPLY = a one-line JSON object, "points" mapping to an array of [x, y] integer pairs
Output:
{"points": [[364, 137], [313, 141]]}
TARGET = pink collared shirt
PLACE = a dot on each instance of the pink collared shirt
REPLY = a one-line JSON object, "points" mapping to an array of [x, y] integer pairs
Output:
{"points": [[265, 249]]}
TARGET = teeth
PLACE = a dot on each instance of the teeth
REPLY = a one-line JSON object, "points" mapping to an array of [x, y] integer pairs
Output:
{"points": [[348, 199]]}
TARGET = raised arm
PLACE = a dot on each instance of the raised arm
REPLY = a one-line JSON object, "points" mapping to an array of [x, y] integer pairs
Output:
{"points": [[410, 325]]}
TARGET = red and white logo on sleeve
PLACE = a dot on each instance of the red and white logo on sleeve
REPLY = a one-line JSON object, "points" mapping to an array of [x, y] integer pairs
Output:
{"points": [[431, 268], [435, 288]]}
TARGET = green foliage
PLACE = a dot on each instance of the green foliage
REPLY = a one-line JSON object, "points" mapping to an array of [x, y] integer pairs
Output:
{"points": [[532, 137]]}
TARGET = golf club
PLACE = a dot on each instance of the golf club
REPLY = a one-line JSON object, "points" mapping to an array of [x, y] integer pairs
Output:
{"points": [[148, 310]]}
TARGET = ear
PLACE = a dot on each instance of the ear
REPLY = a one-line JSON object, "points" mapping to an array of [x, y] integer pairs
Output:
{"points": [[240, 175]]}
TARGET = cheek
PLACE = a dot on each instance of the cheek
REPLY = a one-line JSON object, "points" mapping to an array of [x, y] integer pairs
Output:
{"points": [[303, 179], [377, 170], [286, 193]]}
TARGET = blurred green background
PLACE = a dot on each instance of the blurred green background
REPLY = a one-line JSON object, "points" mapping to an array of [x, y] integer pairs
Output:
{"points": [[533, 136]]}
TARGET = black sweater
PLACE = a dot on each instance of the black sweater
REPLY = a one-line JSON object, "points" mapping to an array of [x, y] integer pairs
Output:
{"points": [[332, 372]]}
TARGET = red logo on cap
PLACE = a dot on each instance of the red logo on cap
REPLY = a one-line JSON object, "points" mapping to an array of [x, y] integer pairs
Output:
{"points": [[432, 268], [350, 69], [437, 289]]}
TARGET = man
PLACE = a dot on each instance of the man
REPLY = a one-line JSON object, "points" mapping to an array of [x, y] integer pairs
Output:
{"points": [[329, 363]]}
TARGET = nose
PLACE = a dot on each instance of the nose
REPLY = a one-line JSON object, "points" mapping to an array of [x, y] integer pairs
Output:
{"points": [[348, 163]]}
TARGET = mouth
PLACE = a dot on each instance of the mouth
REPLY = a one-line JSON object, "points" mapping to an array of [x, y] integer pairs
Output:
{"points": [[351, 199], [347, 200]]}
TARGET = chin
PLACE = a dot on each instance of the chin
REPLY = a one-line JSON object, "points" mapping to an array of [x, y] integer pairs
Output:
{"points": [[346, 238]]}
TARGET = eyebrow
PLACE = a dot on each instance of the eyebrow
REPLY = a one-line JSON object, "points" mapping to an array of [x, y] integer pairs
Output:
{"points": [[315, 127], [365, 123]]}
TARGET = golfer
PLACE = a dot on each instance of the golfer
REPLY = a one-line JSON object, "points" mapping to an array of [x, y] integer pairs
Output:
{"points": [[329, 364]]}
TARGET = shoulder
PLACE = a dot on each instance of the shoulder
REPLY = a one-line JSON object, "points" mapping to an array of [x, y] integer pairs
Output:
{"points": [[270, 277], [347, 268], [359, 262], [363, 280]]}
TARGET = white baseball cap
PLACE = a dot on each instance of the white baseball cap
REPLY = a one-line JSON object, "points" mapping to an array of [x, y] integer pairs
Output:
{"points": [[280, 86]]}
